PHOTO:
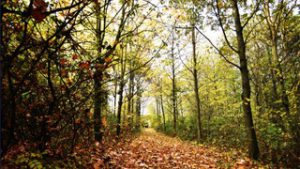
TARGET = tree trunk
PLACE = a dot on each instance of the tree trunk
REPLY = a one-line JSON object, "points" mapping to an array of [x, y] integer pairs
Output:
{"points": [[246, 90], [12, 109], [196, 85], [157, 106], [138, 105], [279, 74], [1, 77], [98, 99], [121, 90], [115, 95], [162, 107], [274, 83], [130, 92], [297, 119], [273, 25], [120, 103], [98, 105], [174, 90]]}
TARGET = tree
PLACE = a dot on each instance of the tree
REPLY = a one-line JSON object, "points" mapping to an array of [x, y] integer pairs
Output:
{"points": [[196, 83], [121, 87], [243, 62], [1, 74], [99, 100], [174, 87], [273, 23], [246, 93]]}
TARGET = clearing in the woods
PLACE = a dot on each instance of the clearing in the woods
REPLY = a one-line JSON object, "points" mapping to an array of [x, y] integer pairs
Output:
{"points": [[151, 149]]}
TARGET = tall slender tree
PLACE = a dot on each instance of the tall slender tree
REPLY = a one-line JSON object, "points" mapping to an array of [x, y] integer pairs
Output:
{"points": [[246, 89], [240, 50], [196, 81], [1, 75]]}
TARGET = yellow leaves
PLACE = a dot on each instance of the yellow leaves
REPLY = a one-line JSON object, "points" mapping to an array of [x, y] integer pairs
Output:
{"points": [[220, 4], [64, 2], [104, 122], [108, 60]]}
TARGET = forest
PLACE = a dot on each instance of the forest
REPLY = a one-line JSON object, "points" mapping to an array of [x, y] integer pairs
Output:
{"points": [[186, 84]]}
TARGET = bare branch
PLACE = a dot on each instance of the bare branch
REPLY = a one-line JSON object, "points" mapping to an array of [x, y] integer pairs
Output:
{"points": [[252, 15], [218, 50], [222, 27]]}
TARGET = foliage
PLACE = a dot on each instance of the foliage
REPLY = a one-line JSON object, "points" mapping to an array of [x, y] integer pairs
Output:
{"points": [[81, 78]]}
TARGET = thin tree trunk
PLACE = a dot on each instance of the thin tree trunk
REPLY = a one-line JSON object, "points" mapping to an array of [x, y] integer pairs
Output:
{"points": [[162, 107], [12, 109], [297, 125], [174, 89], [138, 105], [1, 78], [97, 106], [130, 92], [157, 106], [279, 74], [120, 103], [246, 90], [180, 107], [273, 24], [132, 100], [115, 95], [121, 90], [196, 85], [98, 100]]}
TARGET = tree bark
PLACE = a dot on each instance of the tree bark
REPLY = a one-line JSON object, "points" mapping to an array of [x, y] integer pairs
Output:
{"points": [[138, 104], [115, 94], [273, 25], [97, 106], [130, 92], [279, 74], [246, 90], [1, 77], [98, 99], [174, 89], [162, 106], [196, 85], [297, 125], [121, 90]]}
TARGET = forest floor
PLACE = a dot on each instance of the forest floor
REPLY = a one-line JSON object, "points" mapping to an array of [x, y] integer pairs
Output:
{"points": [[151, 149]]}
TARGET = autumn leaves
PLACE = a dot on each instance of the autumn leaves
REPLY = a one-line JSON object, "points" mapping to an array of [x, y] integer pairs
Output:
{"points": [[39, 10]]}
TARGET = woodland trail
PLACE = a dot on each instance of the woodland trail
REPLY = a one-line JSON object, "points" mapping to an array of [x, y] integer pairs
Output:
{"points": [[158, 151]]}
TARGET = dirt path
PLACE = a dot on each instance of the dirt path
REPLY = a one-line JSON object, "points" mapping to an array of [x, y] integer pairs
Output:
{"points": [[155, 150]]}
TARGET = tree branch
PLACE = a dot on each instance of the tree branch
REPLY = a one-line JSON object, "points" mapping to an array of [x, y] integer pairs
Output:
{"points": [[222, 27], [252, 15], [218, 50]]}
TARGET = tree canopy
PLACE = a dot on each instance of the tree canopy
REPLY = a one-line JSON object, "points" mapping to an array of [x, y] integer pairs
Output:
{"points": [[80, 80]]}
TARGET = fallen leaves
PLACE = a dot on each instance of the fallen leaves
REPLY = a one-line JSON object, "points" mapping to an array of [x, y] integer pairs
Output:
{"points": [[148, 150], [155, 150], [98, 164]]}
